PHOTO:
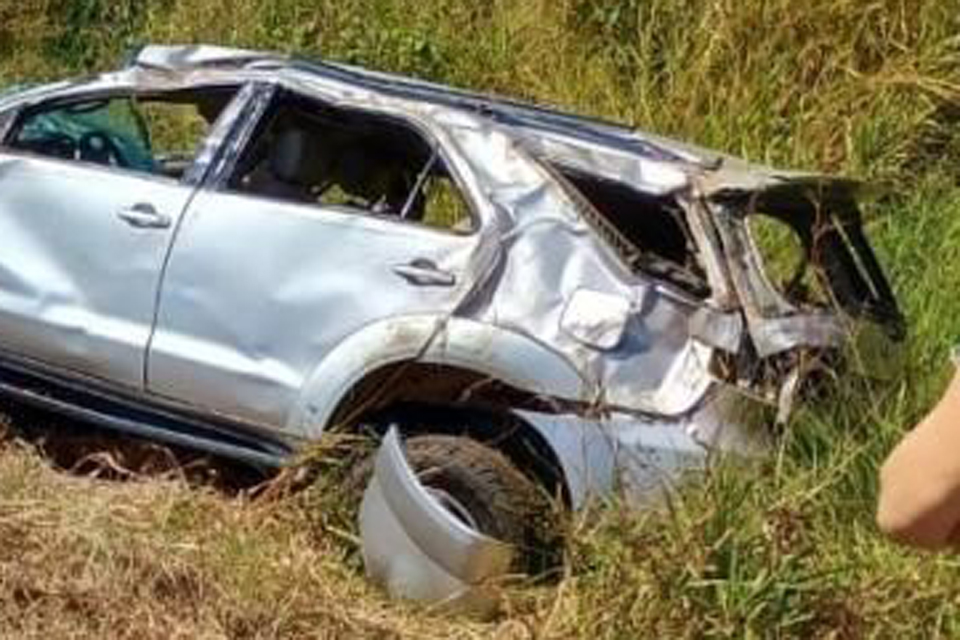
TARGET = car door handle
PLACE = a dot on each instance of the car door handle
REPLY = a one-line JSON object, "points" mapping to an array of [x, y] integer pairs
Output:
{"points": [[144, 216], [424, 272]]}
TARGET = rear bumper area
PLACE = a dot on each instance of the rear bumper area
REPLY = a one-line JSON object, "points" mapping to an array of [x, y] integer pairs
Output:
{"points": [[641, 458]]}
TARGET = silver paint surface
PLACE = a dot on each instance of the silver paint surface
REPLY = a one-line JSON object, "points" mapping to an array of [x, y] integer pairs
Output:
{"points": [[77, 283], [269, 312]]}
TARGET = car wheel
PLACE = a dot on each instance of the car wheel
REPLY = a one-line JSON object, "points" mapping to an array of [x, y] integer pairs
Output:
{"points": [[485, 491]]}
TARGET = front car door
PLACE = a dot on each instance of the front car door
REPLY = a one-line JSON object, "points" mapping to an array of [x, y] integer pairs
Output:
{"points": [[89, 201]]}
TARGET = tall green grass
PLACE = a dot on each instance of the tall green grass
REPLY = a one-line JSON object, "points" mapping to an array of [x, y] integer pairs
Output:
{"points": [[869, 89]]}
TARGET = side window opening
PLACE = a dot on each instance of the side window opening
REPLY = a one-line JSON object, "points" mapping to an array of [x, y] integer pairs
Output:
{"points": [[650, 232], [177, 125], [156, 134], [310, 153]]}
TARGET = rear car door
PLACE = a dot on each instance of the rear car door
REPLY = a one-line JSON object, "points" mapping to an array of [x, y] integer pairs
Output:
{"points": [[88, 208], [331, 220]]}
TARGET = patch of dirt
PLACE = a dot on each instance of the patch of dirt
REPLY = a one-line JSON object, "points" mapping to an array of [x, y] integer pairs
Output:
{"points": [[86, 450]]}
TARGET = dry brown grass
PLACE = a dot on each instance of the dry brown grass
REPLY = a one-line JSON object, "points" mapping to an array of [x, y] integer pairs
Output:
{"points": [[788, 549], [160, 557]]}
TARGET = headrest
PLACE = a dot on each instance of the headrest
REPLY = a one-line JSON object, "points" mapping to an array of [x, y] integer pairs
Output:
{"points": [[288, 155], [362, 173]]}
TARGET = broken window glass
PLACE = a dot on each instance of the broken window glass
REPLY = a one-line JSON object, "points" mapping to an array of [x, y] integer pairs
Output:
{"points": [[309, 153], [102, 131]]}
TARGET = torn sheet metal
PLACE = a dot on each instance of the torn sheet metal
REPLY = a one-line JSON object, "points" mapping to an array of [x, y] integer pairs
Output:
{"points": [[416, 548], [643, 459], [605, 273], [243, 329], [717, 329]]}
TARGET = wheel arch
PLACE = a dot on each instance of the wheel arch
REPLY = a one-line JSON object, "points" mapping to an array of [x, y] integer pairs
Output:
{"points": [[485, 351], [444, 375]]}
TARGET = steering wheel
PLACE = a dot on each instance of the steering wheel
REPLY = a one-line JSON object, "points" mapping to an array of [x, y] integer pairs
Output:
{"points": [[99, 147], [55, 144]]}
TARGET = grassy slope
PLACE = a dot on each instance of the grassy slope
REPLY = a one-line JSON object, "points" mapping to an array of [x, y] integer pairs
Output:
{"points": [[866, 88]]}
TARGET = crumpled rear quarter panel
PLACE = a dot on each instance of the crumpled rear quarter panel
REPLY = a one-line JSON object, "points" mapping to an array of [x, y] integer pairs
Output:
{"points": [[548, 252]]}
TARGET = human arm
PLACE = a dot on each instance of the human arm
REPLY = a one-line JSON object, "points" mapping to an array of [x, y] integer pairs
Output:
{"points": [[920, 480]]}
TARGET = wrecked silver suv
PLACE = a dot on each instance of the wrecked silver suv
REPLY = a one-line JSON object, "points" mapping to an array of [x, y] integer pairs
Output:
{"points": [[238, 252]]}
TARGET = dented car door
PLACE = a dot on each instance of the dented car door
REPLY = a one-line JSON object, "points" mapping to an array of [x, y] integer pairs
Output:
{"points": [[269, 272], [82, 244]]}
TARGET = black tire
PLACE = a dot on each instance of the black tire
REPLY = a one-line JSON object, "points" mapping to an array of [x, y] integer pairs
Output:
{"points": [[487, 492]]}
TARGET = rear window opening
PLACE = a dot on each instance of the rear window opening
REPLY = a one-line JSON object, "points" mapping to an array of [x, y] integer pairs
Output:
{"points": [[649, 232], [815, 255], [310, 153], [788, 264]]}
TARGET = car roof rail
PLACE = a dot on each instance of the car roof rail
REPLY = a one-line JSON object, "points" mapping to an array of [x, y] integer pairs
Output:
{"points": [[186, 57]]}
